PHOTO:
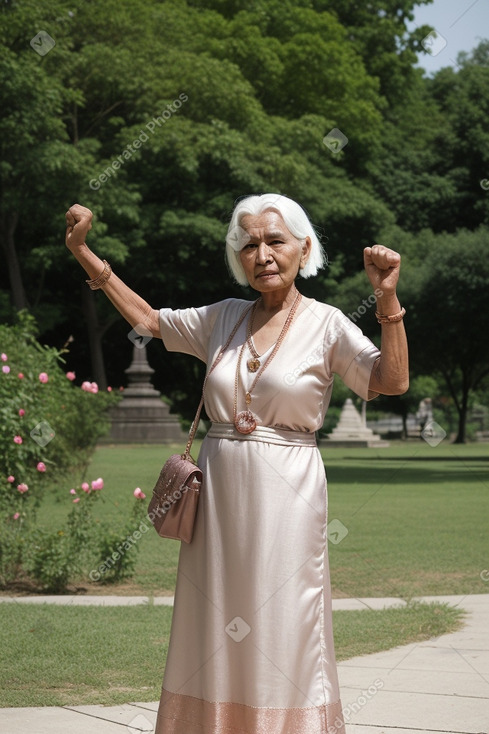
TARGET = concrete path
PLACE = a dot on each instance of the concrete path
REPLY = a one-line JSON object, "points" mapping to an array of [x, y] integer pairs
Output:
{"points": [[437, 686], [440, 685]]}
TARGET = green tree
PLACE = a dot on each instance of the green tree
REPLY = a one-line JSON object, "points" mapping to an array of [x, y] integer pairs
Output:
{"points": [[434, 151], [448, 317], [113, 71], [378, 32], [463, 99], [263, 82]]}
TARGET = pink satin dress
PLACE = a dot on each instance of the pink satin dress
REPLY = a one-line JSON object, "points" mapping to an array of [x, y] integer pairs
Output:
{"points": [[251, 648]]}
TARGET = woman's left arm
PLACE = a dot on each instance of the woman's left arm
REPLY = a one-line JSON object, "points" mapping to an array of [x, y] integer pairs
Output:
{"points": [[390, 373]]}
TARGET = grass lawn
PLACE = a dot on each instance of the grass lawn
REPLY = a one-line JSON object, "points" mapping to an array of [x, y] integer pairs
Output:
{"points": [[416, 518], [55, 656], [413, 519]]}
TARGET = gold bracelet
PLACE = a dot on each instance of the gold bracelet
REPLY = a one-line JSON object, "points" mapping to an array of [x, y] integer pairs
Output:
{"points": [[382, 318], [102, 278]]}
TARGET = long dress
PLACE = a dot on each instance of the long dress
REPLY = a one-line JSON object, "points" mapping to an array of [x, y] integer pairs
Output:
{"points": [[251, 647]]}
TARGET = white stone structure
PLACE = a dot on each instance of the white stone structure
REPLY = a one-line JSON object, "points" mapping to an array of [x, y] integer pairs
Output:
{"points": [[352, 431]]}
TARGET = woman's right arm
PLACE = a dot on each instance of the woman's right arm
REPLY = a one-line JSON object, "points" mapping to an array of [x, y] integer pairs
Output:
{"points": [[132, 307]]}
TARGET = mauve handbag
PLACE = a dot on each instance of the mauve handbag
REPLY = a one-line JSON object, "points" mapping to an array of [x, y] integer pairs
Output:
{"points": [[173, 506]]}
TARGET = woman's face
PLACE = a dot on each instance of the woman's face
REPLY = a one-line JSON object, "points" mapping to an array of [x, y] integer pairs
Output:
{"points": [[272, 256]]}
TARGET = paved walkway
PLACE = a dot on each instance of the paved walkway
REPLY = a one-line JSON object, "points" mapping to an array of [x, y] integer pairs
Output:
{"points": [[437, 686]]}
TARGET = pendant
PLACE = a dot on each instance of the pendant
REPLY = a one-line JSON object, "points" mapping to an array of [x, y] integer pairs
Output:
{"points": [[245, 422], [253, 365]]}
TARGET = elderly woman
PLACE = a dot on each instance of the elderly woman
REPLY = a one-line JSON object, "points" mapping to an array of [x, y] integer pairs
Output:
{"points": [[251, 647]]}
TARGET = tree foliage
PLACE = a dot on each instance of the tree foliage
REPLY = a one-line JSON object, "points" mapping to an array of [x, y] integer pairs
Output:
{"points": [[259, 84], [453, 345]]}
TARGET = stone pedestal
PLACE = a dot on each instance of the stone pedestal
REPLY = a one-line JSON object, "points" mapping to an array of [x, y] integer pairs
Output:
{"points": [[352, 431], [142, 416]]}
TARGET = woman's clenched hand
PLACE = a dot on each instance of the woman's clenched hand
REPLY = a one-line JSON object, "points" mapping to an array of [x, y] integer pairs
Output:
{"points": [[382, 266], [78, 224]]}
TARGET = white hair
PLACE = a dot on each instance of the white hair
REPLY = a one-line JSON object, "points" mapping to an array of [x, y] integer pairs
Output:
{"points": [[296, 221]]}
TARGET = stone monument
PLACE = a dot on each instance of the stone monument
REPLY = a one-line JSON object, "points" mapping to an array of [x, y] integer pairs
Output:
{"points": [[142, 416], [352, 431]]}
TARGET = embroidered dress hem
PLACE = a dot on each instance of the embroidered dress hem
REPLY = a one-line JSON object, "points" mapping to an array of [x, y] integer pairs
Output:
{"points": [[180, 714]]}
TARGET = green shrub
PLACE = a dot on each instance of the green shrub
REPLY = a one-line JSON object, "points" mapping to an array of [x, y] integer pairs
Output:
{"points": [[46, 423], [48, 430], [12, 543], [117, 549], [54, 558], [47, 559]]}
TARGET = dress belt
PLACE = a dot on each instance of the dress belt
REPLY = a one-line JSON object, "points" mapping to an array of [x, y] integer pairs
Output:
{"points": [[266, 434]]}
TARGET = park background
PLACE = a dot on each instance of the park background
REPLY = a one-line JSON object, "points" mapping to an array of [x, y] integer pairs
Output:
{"points": [[158, 116]]}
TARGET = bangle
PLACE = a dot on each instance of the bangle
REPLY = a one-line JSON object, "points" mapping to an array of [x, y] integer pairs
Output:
{"points": [[382, 318], [102, 278]]}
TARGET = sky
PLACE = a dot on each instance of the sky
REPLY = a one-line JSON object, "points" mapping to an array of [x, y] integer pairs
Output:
{"points": [[460, 25]]}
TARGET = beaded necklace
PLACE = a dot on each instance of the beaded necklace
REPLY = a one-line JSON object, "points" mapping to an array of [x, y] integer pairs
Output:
{"points": [[245, 421]]}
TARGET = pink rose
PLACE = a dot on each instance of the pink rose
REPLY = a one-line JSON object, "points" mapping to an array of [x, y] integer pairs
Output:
{"points": [[87, 386], [86, 487], [98, 483], [11, 479], [139, 494], [77, 499], [3, 357], [109, 389], [18, 439], [5, 369], [43, 377], [22, 487], [70, 375], [16, 516], [21, 412], [72, 491], [20, 376], [41, 466]]}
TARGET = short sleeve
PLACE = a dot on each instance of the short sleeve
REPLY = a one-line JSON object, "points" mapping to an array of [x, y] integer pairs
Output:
{"points": [[188, 330], [351, 354]]}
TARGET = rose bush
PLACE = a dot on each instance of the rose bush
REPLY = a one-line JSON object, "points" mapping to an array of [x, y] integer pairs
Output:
{"points": [[48, 430], [54, 558], [44, 418]]}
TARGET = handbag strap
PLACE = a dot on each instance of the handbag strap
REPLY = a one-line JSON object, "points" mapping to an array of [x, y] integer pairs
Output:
{"points": [[193, 427]]}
